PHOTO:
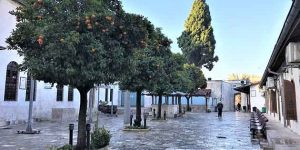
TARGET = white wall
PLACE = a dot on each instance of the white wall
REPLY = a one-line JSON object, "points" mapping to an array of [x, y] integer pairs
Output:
{"points": [[222, 90], [228, 96], [45, 97], [256, 98], [215, 86], [7, 21], [243, 100], [116, 93], [148, 101]]}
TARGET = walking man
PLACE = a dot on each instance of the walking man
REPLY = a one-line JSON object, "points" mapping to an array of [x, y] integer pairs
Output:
{"points": [[239, 107], [220, 108]]}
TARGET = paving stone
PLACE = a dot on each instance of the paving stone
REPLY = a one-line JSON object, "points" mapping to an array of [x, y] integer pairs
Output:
{"points": [[193, 131]]}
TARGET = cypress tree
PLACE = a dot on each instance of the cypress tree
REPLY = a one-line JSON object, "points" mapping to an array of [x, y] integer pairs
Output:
{"points": [[197, 41]]}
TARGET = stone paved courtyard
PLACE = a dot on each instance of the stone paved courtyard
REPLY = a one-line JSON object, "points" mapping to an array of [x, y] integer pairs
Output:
{"points": [[193, 131]]}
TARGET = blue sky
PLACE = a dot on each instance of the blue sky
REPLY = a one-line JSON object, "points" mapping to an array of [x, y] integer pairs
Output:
{"points": [[245, 31]]}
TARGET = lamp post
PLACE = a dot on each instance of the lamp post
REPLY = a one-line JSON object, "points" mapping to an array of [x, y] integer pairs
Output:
{"points": [[29, 129]]}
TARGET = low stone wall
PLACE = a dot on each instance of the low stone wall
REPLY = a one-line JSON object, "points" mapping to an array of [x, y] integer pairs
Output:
{"points": [[171, 110], [63, 114], [195, 108]]}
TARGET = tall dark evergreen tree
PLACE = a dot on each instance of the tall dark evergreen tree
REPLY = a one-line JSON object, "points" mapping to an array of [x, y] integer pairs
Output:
{"points": [[197, 41]]}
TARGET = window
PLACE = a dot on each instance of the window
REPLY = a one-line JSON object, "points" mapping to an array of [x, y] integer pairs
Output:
{"points": [[111, 94], [11, 82], [29, 88], [253, 93], [60, 92], [106, 95], [70, 93]]}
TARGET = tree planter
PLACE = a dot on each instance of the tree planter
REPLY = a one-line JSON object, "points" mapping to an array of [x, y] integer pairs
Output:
{"points": [[136, 129], [104, 148]]}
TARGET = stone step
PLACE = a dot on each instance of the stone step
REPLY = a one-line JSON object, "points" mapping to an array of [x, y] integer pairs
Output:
{"points": [[3, 123]]}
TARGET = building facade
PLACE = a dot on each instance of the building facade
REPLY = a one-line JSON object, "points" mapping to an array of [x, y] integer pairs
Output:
{"points": [[58, 102], [224, 91], [281, 77]]}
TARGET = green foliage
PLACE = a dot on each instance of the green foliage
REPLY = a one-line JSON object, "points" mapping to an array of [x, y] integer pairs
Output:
{"points": [[197, 77], [188, 79], [76, 43], [66, 147], [103, 103], [180, 78], [100, 138], [197, 42], [149, 67]]}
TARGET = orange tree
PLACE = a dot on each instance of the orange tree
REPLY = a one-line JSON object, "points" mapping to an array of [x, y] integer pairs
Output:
{"points": [[165, 66], [78, 43], [145, 66]]}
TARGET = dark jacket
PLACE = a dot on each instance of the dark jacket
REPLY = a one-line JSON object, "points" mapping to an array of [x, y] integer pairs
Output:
{"points": [[220, 106]]}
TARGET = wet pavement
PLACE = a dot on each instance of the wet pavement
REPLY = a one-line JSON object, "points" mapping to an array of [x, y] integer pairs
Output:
{"points": [[193, 131]]}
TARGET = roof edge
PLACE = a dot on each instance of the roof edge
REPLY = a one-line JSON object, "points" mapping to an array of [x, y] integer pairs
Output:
{"points": [[292, 15]]}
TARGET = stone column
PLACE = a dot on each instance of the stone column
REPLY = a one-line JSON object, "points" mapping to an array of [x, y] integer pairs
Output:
{"points": [[126, 98], [167, 100], [172, 100]]}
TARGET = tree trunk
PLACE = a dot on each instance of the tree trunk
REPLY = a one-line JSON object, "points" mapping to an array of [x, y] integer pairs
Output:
{"points": [[206, 106], [159, 106], [81, 138], [188, 103], [152, 100], [179, 104], [138, 118]]}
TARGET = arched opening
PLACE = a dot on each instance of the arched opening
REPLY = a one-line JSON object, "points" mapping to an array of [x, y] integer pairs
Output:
{"points": [[11, 82]]}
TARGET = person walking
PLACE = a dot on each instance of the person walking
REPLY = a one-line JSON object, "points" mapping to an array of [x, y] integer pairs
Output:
{"points": [[220, 108], [239, 107]]}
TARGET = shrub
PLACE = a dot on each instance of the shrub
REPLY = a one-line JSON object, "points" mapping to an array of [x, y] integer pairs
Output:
{"points": [[66, 147], [103, 103], [100, 138]]}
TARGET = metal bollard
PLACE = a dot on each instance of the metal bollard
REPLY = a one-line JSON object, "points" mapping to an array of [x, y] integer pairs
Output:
{"points": [[145, 119], [71, 128], [154, 115], [131, 116], [88, 129], [165, 115]]}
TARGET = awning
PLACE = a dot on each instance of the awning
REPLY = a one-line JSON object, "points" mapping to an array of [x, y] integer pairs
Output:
{"points": [[243, 89], [200, 92]]}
